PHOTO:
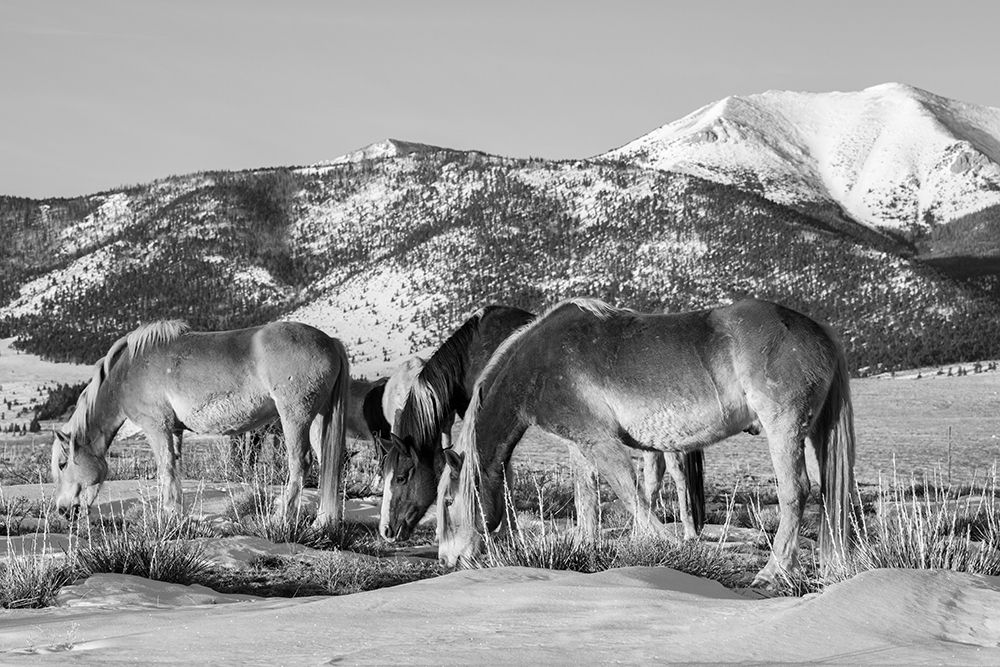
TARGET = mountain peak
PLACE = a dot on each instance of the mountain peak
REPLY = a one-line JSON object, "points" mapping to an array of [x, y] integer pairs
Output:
{"points": [[891, 156], [387, 148]]}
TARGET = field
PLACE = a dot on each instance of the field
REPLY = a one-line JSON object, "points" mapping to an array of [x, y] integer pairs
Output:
{"points": [[920, 511]]}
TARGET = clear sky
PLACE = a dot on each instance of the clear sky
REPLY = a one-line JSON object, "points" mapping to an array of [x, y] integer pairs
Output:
{"points": [[103, 93]]}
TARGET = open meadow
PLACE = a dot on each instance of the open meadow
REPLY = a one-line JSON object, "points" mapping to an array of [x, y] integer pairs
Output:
{"points": [[128, 578]]}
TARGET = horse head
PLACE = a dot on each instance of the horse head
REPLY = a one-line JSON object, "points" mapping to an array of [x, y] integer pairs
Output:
{"points": [[409, 483], [77, 472], [459, 513]]}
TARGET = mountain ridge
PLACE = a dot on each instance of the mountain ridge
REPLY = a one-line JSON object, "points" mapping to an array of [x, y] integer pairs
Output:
{"points": [[394, 245], [893, 157]]}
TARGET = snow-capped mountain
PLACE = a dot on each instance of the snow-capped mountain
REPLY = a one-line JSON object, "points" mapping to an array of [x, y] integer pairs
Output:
{"points": [[387, 148], [892, 157], [392, 246]]}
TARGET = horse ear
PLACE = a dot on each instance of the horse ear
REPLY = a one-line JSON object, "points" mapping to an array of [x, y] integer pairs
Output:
{"points": [[454, 460], [396, 441]]}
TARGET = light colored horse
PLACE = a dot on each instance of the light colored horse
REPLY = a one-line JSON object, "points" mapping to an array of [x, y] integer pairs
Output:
{"points": [[168, 380], [608, 380], [397, 388], [443, 388]]}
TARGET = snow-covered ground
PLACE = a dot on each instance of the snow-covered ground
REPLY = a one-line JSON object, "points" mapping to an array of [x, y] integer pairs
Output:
{"points": [[25, 380], [521, 616], [507, 615]]}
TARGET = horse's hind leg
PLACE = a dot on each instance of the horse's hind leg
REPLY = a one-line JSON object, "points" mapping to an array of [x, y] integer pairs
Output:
{"points": [[674, 462], [297, 449], [786, 440]]}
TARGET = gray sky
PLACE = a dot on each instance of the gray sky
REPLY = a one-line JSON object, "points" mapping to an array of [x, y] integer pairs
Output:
{"points": [[101, 93]]}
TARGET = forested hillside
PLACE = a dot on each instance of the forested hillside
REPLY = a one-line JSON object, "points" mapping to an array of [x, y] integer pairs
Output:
{"points": [[391, 253]]}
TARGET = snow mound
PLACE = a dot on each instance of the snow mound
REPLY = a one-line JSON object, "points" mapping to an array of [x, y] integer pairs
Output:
{"points": [[124, 591], [523, 615]]}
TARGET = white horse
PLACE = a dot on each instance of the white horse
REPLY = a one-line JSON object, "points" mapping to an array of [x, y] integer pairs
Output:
{"points": [[168, 380], [608, 380]]}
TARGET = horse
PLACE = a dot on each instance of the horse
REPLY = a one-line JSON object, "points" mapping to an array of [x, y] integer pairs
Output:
{"points": [[422, 428], [443, 388], [610, 380], [365, 419], [397, 388], [168, 379]]}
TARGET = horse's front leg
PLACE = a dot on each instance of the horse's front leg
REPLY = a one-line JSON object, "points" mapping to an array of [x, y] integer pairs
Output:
{"points": [[614, 461], [586, 496], [166, 450]]}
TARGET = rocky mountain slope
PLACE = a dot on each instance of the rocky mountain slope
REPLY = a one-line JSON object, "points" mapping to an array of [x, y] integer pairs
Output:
{"points": [[392, 246], [895, 158]]}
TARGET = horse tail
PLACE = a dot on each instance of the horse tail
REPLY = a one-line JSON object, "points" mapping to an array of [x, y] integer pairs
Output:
{"points": [[694, 467], [833, 437], [334, 438]]}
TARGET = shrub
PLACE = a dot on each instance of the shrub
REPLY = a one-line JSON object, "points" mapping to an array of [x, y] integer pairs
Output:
{"points": [[32, 581], [157, 548]]}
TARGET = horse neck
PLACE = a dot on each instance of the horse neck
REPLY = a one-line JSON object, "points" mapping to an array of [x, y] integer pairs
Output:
{"points": [[498, 427], [108, 415]]}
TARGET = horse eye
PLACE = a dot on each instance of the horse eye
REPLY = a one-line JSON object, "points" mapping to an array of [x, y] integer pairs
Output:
{"points": [[401, 478]]}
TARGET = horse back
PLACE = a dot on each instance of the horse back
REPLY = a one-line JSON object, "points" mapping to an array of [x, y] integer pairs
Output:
{"points": [[656, 381], [496, 326], [229, 381]]}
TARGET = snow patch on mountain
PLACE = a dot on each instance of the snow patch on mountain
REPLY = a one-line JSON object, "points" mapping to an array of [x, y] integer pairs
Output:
{"points": [[890, 156], [111, 216], [388, 148], [87, 270], [372, 314]]}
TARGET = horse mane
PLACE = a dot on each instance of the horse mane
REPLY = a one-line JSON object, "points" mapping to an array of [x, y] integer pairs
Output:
{"points": [[466, 443], [145, 337], [471, 466], [154, 334], [432, 396]]}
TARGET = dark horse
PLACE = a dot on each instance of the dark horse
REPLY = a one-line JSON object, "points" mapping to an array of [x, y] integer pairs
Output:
{"points": [[443, 387], [365, 419], [609, 380]]}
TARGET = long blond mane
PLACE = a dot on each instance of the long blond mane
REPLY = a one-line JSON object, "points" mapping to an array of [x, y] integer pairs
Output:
{"points": [[466, 442], [144, 338]]}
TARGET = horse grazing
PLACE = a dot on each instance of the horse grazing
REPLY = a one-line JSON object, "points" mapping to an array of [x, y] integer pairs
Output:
{"points": [[443, 388], [168, 380], [609, 380], [440, 390]]}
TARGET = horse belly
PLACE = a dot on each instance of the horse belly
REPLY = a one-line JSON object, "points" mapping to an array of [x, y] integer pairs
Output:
{"points": [[688, 420], [226, 413]]}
